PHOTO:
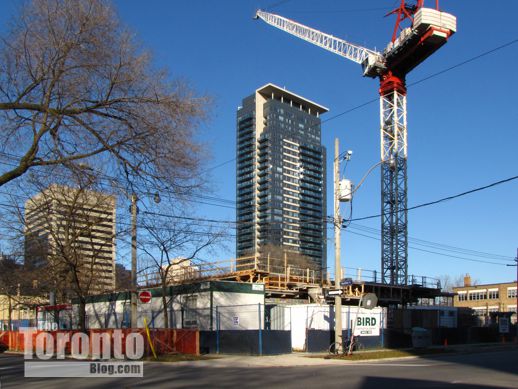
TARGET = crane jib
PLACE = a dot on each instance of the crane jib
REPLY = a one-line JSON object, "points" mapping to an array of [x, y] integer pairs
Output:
{"points": [[329, 42]]}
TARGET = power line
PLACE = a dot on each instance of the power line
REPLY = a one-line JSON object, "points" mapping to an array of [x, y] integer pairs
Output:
{"points": [[512, 42], [433, 252], [231, 224], [438, 246], [314, 221], [478, 56], [433, 75], [236, 224], [308, 221], [221, 164], [221, 202], [444, 198]]}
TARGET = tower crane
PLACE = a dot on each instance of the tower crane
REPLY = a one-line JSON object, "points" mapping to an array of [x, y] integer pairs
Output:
{"points": [[429, 29]]}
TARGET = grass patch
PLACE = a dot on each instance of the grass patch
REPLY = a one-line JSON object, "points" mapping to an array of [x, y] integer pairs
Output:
{"points": [[179, 358], [383, 354]]}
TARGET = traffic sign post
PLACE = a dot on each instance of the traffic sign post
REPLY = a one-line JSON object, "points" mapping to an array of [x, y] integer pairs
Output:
{"points": [[144, 296]]}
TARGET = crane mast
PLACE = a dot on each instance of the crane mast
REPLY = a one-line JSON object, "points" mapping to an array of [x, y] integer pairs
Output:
{"points": [[429, 30]]}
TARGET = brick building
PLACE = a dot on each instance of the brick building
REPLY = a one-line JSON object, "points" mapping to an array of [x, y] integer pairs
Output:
{"points": [[488, 298]]}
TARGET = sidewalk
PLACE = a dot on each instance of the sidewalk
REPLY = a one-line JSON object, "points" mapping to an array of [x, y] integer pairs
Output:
{"points": [[317, 359], [283, 360]]}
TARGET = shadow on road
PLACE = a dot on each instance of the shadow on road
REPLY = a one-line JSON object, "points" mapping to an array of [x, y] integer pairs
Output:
{"points": [[386, 383]]}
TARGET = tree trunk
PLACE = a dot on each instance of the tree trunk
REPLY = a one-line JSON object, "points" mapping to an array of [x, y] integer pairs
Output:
{"points": [[10, 313], [82, 315]]}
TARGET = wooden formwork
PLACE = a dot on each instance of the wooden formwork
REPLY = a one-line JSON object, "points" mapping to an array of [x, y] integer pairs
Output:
{"points": [[254, 269]]}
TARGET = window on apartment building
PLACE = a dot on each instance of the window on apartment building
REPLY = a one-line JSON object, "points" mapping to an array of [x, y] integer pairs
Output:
{"points": [[511, 292], [463, 296], [492, 294]]}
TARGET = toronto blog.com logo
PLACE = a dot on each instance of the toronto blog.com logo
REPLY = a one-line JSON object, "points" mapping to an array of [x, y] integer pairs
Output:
{"points": [[98, 354]]}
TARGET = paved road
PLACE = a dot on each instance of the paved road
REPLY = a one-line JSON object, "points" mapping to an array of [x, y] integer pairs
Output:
{"points": [[481, 370]]}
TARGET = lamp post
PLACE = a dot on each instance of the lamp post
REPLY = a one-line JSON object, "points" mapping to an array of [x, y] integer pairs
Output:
{"points": [[337, 227], [133, 260], [516, 265], [134, 284], [338, 267]]}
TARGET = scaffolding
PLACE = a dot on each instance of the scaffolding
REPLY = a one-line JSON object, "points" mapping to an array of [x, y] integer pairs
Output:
{"points": [[284, 279], [276, 273]]}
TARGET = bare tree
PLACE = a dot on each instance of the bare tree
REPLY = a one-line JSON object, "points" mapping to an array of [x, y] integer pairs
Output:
{"points": [[74, 86], [171, 247], [448, 282], [18, 286], [70, 233], [10, 278]]}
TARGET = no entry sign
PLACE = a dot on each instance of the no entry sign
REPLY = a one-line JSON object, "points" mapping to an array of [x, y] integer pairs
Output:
{"points": [[144, 296]]}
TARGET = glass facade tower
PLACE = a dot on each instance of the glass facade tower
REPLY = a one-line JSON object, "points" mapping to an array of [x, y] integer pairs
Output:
{"points": [[281, 204]]}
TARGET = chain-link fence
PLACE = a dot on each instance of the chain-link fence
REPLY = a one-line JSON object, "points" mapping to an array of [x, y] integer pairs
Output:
{"points": [[256, 328]]}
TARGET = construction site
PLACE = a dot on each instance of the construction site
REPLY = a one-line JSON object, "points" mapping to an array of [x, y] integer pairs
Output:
{"points": [[290, 283], [281, 189], [281, 293], [427, 30]]}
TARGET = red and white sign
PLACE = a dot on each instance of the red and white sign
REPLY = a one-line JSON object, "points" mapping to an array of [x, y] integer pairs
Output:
{"points": [[144, 296]]}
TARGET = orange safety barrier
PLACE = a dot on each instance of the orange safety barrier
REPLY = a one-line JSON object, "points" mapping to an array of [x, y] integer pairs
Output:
{"points": [[184, 341]]}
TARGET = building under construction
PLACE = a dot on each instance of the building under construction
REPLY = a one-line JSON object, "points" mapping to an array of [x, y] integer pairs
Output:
{"points": [[288, 283]]}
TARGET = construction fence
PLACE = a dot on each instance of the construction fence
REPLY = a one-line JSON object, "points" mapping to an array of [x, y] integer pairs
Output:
{"points": [[313, 325], [244, 329], [162, 341], [260, 329]]}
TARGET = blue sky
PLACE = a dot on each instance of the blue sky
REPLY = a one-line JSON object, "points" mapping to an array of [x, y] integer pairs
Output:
{"points": [[462, 125]]}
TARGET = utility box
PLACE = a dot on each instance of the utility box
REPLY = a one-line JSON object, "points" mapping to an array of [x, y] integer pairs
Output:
{"points": [[421, 337], [345, 190]]}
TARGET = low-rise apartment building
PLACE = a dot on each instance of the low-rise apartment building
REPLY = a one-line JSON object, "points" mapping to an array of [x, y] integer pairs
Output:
{"points": [[488, 298]]}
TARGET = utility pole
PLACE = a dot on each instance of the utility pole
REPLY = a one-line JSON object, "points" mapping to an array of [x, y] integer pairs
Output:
{"points": [[338, 266], [516, 265], [133, 260]]}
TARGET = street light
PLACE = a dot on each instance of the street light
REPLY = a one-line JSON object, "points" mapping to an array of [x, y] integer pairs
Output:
{"points": [[516, 310], [339, 188], [133, 295]]}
